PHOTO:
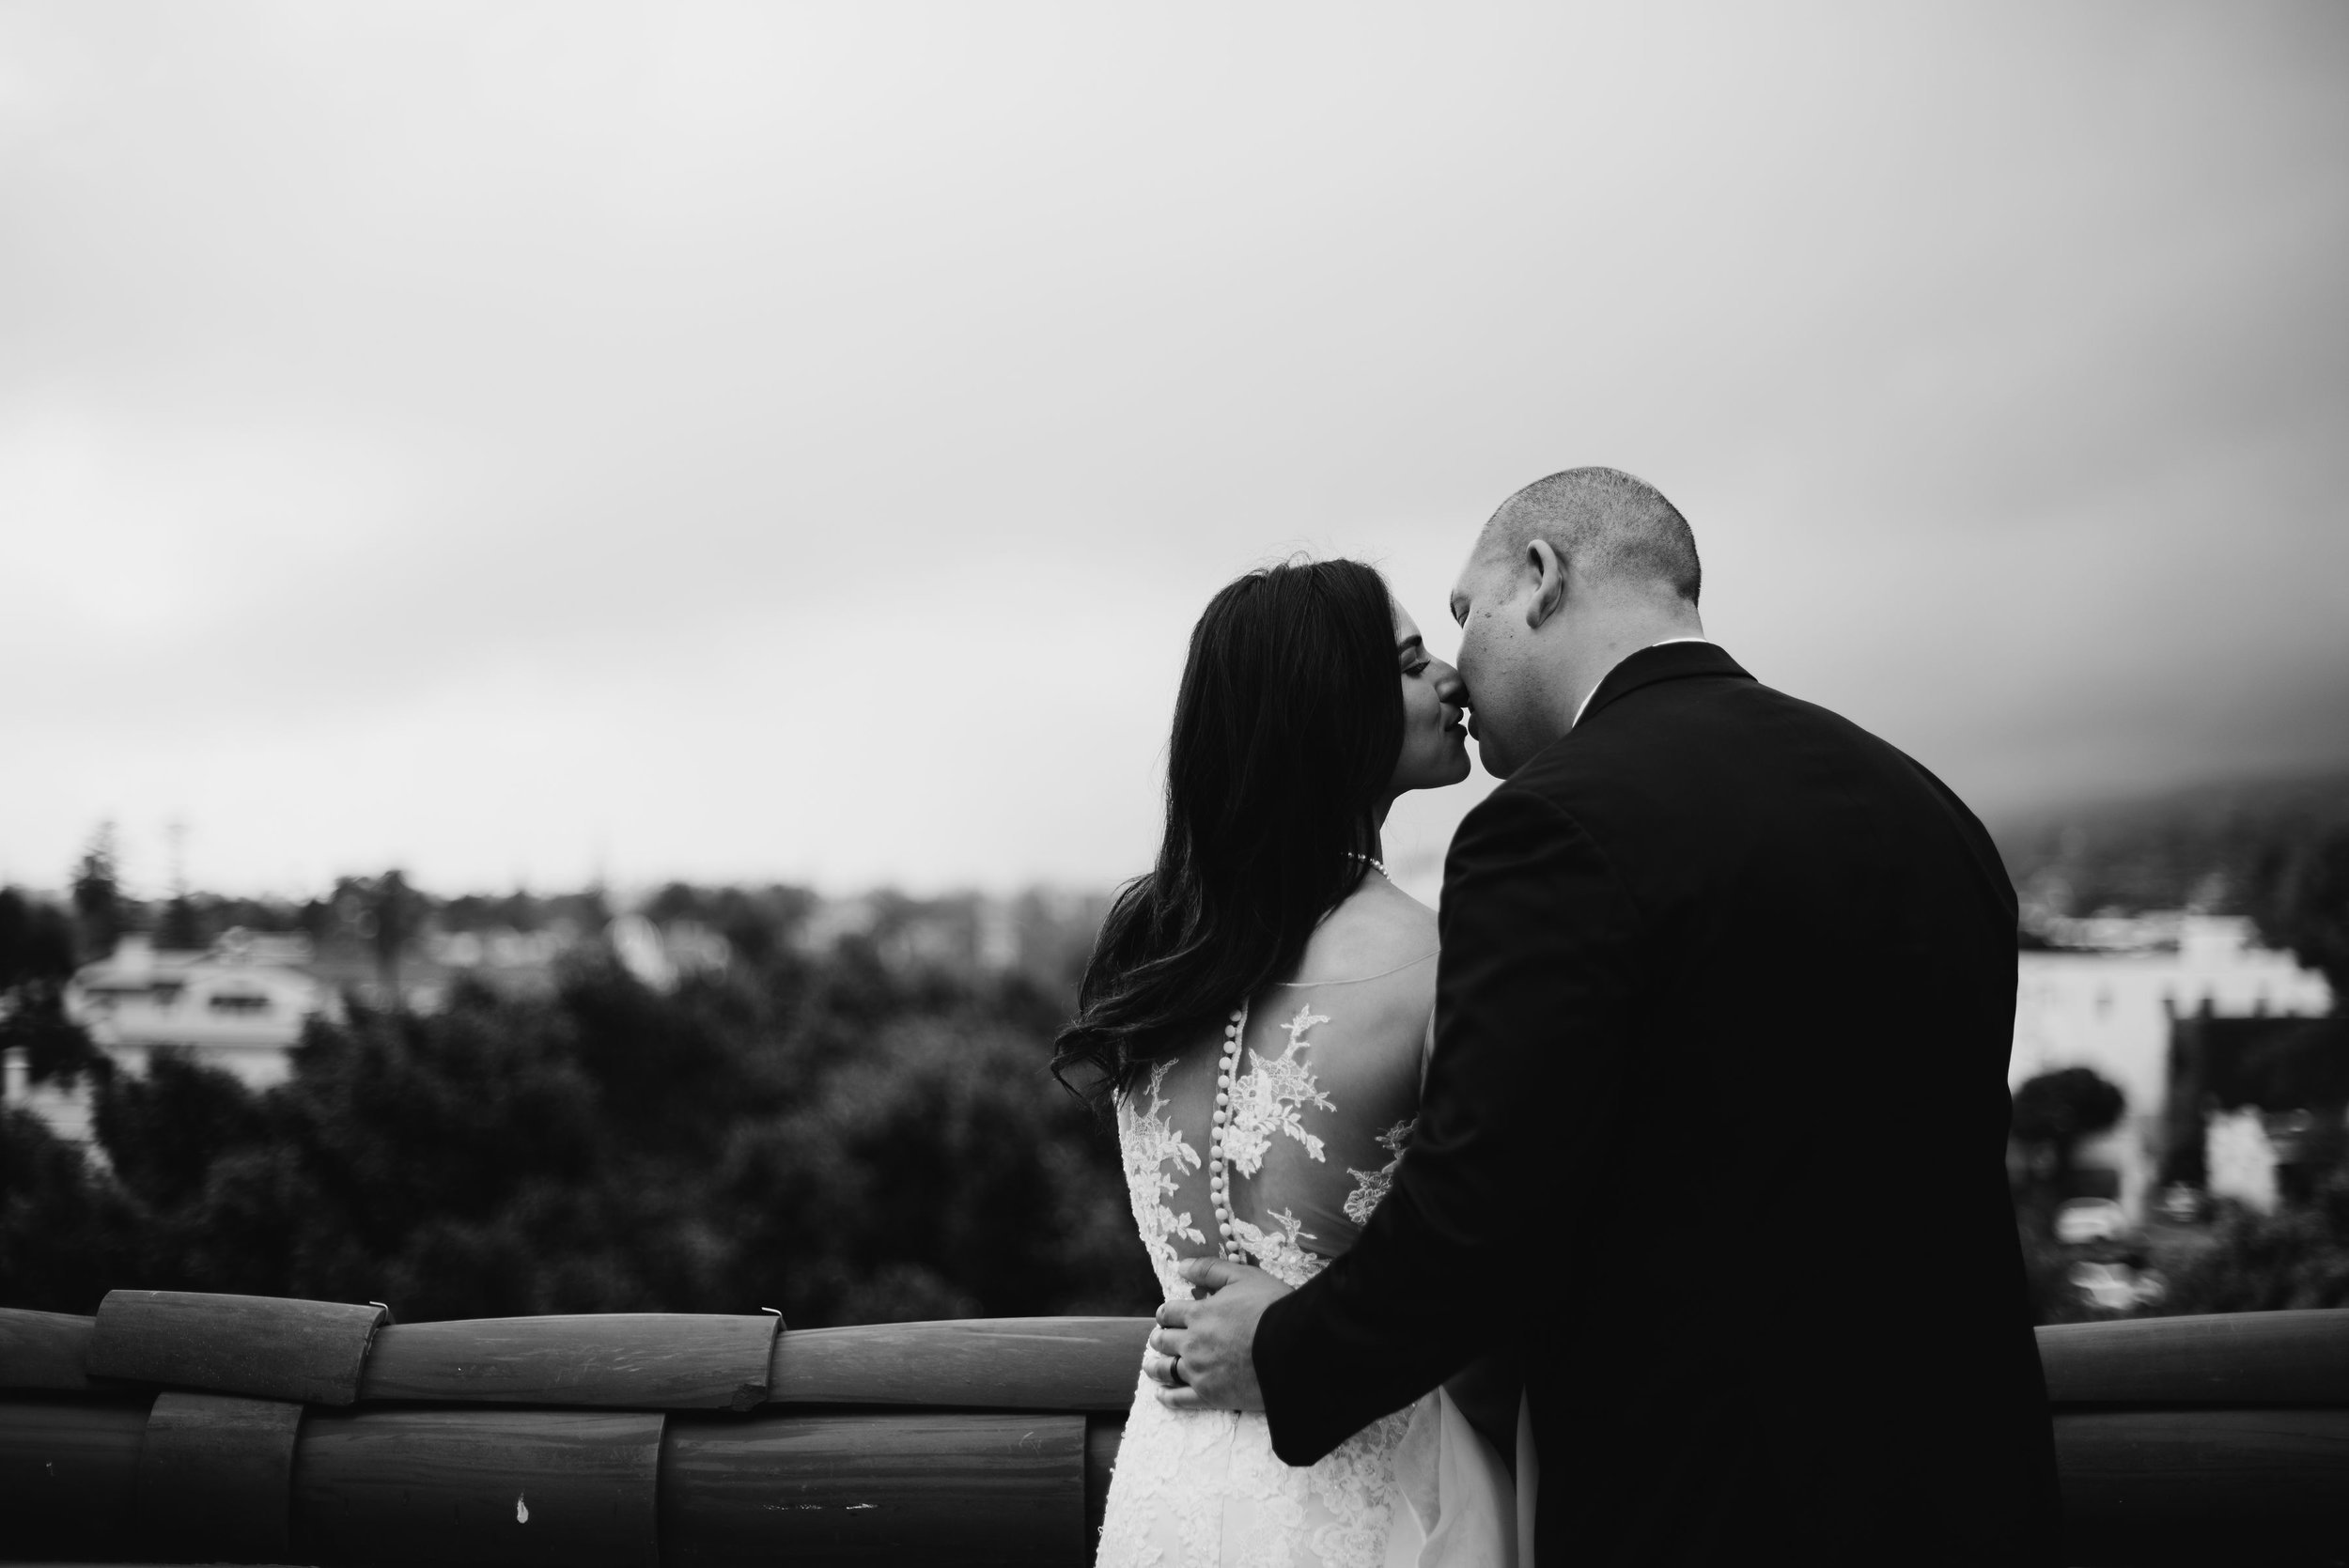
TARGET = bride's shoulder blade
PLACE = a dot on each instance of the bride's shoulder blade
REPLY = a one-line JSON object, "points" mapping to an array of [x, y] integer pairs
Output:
{"points": [[1378, 930]]}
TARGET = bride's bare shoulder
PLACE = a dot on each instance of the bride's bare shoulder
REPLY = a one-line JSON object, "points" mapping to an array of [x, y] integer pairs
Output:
{"points": [[1379, 929]]}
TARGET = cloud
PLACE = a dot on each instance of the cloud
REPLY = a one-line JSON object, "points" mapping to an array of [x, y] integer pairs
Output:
{"points": [[436, 434]]}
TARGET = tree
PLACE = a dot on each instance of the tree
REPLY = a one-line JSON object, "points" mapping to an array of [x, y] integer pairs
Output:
{"points": [[97, 893], [35, 941], [66, 1236], [398, 911], [2300, 903], [2054, 1112], [180, 928], [36, 960], [33, 1016], [2296, 1257], [165, 1129], [824, 1134], [388, 913]]}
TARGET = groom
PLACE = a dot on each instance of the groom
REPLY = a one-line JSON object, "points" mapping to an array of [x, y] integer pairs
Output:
{"points": [[1714, 1131]]}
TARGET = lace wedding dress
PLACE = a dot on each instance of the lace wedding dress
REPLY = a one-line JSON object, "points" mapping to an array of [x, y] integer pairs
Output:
{"points": [[1269, 1142]]}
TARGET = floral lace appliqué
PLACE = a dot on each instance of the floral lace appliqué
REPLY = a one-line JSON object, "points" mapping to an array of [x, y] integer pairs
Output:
{"points": [[1268, 1099], [1277, 1251], [1149, 1142], [1372, 1186], [1204, 1489]]}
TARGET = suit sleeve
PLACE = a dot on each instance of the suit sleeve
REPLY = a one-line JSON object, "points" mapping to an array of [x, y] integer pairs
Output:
{"points": [[1529, 1064]]}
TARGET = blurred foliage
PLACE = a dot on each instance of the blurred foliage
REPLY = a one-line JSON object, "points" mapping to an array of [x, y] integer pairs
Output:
{"points": [[56, 1048], [2054, 1113], [2274, 1064], [2046, 1268], [97, 900], [64, 1237], [2298, 1256], [830, 1135], [753, 921], [35, 941], [37, 957], [2236, 1260], [860, 1127], [2300, 900], [2057, 1110]]}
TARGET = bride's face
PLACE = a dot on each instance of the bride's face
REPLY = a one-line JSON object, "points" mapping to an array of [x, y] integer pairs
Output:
{"points": [[1434, 746]]}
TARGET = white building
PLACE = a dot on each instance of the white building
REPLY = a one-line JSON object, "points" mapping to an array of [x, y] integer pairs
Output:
{"points": [[2108, 1008], [239, 1006], [661, 955]]}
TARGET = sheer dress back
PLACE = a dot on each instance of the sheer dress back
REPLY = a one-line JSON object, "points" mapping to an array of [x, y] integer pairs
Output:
{"points": [[1319, 1103], [1317, 1079]]}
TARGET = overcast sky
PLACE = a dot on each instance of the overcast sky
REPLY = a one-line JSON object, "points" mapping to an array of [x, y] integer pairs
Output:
{"points": [[519, 442]]}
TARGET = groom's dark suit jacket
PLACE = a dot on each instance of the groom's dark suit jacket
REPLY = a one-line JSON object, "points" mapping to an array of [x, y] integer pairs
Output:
{"points": [[1715, 1134]]}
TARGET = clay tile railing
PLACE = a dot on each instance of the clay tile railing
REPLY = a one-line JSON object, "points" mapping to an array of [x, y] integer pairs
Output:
{"points": [[184, 1428]]}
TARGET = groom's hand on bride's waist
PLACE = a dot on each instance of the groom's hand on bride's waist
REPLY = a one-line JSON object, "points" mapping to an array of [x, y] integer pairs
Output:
{"points": [[1202, 1354]]}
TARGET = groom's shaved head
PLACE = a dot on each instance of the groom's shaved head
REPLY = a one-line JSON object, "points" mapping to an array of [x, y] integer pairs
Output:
{"points": [[1604, 525]]}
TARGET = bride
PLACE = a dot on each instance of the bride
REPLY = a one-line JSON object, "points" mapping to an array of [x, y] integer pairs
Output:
{"points": [[1258, 1013]]}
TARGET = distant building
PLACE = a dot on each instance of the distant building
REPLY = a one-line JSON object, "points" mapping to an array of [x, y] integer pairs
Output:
{"points": [[238, 1005], [2108, 1001], [500, 948], [2239, 1159], [661, 955], [1043, 933]]}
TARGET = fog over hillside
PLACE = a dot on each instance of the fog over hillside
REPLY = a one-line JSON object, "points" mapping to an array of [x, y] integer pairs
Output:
{"points": [[2212, 846]]}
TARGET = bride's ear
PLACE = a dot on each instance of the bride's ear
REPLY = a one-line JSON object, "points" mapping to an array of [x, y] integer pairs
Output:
{"points": [[1549, 586]]}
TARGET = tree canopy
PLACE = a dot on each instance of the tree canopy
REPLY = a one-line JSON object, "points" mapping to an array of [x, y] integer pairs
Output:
{"points": [[838, 1139], [2060, 1109]]}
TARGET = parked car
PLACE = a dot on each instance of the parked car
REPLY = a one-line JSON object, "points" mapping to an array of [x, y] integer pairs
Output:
{"points": [[2083, 1220], [2183, 1204], [2116, 1287]]}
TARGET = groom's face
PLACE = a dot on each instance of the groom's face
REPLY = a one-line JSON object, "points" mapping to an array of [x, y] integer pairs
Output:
{"points": [[1508, 696]]}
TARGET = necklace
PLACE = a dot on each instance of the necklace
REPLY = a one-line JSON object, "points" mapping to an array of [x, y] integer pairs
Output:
{"points": [[1370, 861]]}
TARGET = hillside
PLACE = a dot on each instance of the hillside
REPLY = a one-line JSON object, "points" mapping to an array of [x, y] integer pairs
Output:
{"points": [[2222, 847]]}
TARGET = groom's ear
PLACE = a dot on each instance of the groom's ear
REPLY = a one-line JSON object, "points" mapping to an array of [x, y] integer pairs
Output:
{"points": [[1549, 582]]}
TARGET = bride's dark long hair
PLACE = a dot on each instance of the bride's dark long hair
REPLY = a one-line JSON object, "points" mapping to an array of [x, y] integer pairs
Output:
{"points": [[1287, 728]]}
